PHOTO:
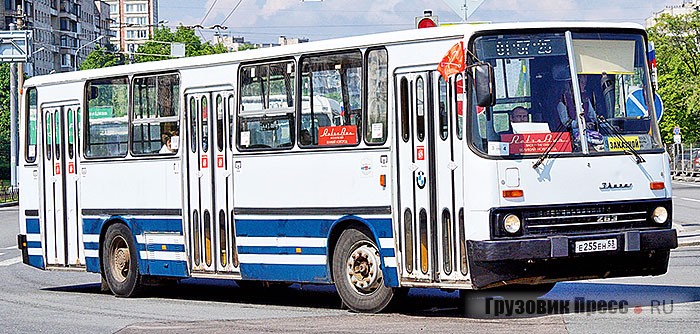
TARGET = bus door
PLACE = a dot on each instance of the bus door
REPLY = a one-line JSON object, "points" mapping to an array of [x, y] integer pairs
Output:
{"points": [[60, 205], [427, 186], [210, 183]]}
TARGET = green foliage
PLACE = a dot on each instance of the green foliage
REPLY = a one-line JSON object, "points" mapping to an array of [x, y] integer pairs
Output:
{"points": [[676, 39], [4, 120], [102, 57], [187, 36]]}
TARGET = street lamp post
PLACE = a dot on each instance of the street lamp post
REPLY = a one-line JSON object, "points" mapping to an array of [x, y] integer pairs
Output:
{"points": [[77, 52]]}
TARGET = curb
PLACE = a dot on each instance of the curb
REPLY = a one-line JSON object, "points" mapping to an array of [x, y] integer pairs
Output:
{"points": [[6, 205]]}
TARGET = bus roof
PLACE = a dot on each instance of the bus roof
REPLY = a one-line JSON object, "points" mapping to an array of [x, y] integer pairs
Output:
{"points": [[397, 37]]}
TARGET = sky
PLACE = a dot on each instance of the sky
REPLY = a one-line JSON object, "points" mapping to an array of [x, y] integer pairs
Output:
{"points": [[263, 21]]}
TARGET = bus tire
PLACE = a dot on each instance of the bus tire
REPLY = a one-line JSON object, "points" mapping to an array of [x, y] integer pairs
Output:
{"points": [[120, 262], [358, 275]]}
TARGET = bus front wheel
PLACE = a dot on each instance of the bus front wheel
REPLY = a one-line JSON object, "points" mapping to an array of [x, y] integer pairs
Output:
{"points": [[120, 262], [357, 273]]}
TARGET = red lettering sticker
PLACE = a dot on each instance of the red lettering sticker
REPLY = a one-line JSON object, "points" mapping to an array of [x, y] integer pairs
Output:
{"points": [[58, 169], [420, 153], [205, 162], [220, 161], [71, 168], [337, 135]]}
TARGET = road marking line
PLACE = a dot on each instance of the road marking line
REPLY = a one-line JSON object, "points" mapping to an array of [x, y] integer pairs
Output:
{"points": [[10, 262], [1, 254], [11, 247], [686, 184], [691, 199]]}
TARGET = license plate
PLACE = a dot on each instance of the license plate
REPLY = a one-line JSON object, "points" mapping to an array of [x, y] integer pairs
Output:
{"points": [[595, 245]]}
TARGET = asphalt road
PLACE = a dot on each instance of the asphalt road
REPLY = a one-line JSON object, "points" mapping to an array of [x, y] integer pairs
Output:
{"points": [[71, 302]]}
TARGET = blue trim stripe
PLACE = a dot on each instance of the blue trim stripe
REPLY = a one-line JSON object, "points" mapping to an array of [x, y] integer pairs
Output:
{"points": [[281, 250], [168, 268], [92, 245], [319, 228], [168, 248], [92, 264], [139, 225], [33, 244], [282, 272], [391, 277], [36, 261], [33, 226]]}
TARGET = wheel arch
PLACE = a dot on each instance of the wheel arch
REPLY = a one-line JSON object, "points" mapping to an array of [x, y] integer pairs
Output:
{"points": [[343, 224], [103, 232]]}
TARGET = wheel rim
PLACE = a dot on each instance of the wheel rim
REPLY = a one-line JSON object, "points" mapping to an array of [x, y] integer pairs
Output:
{"points": [[363, 270], [121, 258]]}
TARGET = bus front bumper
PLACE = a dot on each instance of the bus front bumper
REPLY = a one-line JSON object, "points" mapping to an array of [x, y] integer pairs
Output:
{"points": [[551, 259]]}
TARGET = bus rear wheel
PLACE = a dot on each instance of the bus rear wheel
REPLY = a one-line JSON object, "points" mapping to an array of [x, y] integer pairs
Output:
{"points": [[358, 275], [120, 262]]}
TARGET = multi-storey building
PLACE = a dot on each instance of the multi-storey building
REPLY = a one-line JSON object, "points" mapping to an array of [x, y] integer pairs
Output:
{"points": [[63, 31], [133, 22], [686, 7]]}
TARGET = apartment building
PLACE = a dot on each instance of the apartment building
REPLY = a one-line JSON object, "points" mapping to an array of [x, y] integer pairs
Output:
{"points": [[64, 32], [686, 7], [133, 22]]}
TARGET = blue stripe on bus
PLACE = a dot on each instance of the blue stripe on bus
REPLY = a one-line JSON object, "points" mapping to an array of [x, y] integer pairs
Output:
{"points": [[33, 226], [92, 245], [33, 244], [92, 264], [139, 225], [281, 250], [168, 248], [284, 272], [388, 252], [391, 277], [319, 228], [36, 261], [168, 268]]}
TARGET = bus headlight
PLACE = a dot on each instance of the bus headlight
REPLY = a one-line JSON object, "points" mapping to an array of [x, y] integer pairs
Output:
{"points": [[660, 215], [511, 223]]}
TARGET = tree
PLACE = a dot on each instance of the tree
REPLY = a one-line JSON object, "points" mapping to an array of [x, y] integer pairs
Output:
{"points": [[676, 39], [103, 57], [4, 121], [162, 37]]}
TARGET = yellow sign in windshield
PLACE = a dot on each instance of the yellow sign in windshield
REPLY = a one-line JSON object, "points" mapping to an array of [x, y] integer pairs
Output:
{"points": [[616, 144]]}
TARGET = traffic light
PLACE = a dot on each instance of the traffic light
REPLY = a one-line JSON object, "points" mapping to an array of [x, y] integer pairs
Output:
{"points": [[427, 20]]}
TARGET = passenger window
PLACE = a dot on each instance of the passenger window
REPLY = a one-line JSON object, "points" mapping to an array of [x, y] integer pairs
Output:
{"points": [[420, 109], [107, 120], [405, 111], [155, 123], [331, 104], [266, 108], [219, 122], [377, 101], [30, 132]]}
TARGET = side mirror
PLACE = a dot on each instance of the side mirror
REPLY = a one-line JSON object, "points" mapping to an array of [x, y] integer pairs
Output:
{"points": [[484, 85]]}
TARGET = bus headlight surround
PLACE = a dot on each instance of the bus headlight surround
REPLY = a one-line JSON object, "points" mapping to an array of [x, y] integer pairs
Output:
{"points": [[660, 215], [511, 223]]}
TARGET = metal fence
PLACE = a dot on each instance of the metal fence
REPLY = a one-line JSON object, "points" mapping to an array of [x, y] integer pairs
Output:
{"points": [[685, 161], [9, 194]]}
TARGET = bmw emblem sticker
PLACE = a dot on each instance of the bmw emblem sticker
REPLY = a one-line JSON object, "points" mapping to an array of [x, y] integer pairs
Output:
{"points": [[421, 179]]}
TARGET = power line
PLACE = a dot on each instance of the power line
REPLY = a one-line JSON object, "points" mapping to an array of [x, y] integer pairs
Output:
{"points": [[231, 12], [208, 11]]}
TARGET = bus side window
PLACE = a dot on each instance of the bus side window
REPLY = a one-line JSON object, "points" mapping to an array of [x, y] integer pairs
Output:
{"points": [[266, 117], [155, 122], [30, 131], [331, 104], [377, 85], [107, 118]]}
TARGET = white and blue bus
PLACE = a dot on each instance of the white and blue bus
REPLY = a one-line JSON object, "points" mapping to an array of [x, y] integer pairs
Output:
{"points": [[354, 162]]}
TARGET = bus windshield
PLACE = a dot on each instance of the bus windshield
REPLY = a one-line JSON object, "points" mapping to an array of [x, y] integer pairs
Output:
{"points": [[539, 108]]}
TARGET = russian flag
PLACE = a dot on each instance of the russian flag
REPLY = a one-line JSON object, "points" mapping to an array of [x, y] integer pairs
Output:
{"points": [[651, 55]]}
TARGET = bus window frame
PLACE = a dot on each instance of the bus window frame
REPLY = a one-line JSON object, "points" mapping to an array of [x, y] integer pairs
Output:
{"points": [[365, 98], [279, 113], [37, 112], [156, 118], [86, 119]]}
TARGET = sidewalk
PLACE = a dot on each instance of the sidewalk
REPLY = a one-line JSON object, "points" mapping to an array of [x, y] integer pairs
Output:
{"points": [[688, 234]]}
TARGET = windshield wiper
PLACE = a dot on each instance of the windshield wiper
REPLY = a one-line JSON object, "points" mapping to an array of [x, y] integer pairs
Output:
{"points": [[627, 147], [550, 147]]}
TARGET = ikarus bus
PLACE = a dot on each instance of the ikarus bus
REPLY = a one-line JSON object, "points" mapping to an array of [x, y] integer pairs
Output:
{"points": [[532, 156]]}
